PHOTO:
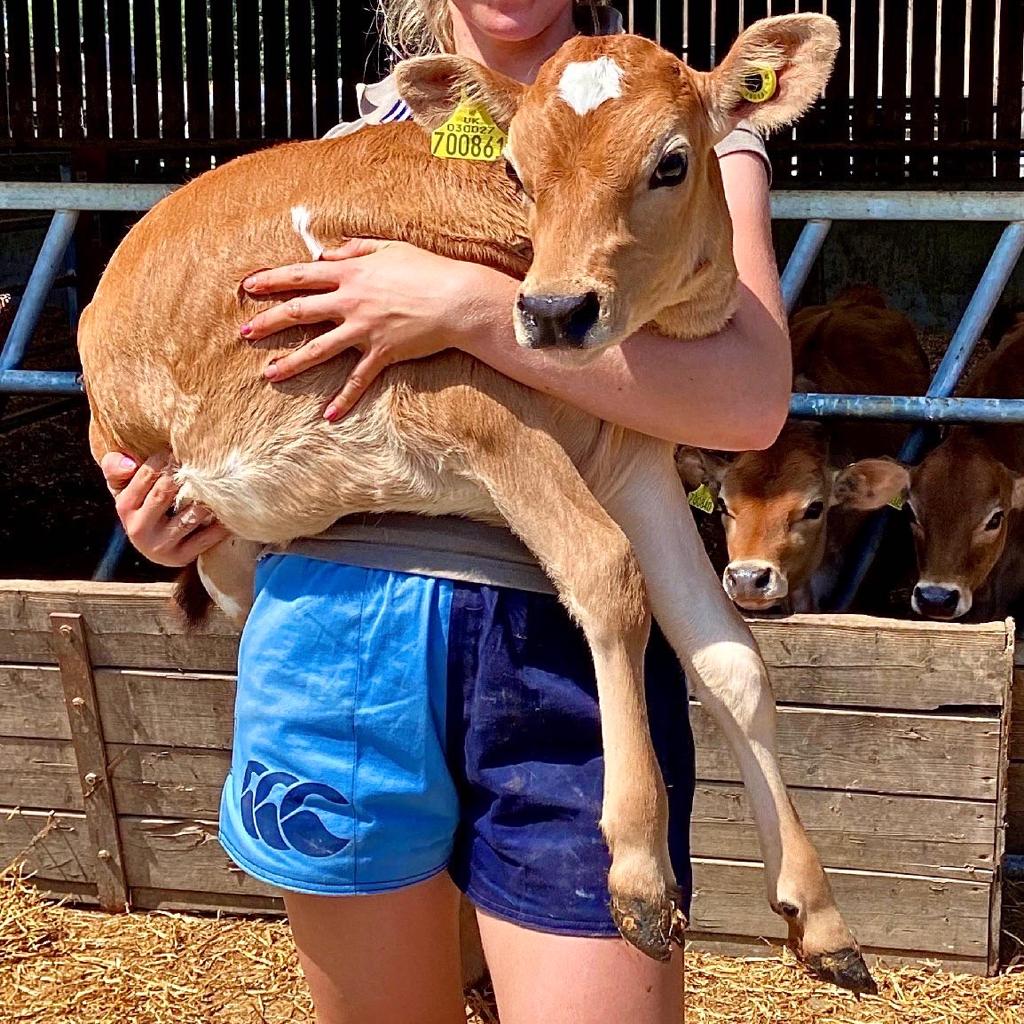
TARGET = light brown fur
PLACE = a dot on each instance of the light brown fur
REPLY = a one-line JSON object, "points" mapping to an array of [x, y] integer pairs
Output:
{"points": [[448, 434]]}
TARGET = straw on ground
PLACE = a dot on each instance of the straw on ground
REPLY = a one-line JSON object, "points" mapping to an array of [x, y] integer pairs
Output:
{"points": [[59, 964]]}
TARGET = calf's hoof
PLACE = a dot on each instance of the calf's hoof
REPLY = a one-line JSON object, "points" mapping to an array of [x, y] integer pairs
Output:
{"points": [[651, 927], [845, 968]]}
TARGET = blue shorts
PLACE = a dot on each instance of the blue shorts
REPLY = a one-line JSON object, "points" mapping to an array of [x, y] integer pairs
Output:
{"points": [[390, 726]]}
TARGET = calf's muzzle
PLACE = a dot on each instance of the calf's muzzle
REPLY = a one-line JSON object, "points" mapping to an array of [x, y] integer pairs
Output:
{"points": [[753, 584], [557, 321]]}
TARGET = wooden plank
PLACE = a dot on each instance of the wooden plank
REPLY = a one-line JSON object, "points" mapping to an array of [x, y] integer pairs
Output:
{"points": [[44, 63], [357, 24], [197, 63], [982, 14], [53, 846], [119, 42], [948, 917], [183, 854], [922, 88], [300, 70], [698, 35], [865, 89], [836, 106], [275, 70], [943, 756], [129, 625], [326, 64], [1016, 745], [844, 660], [19, 71], [168, 783], [222, 66], [248, 73], [69, 37], [94, 49], [91, 757], [144, 46], [894, 91], [38, 773], [862, 831], [1008, 96], [952, 104], [172, 84], [857, 660], [5, 113]]}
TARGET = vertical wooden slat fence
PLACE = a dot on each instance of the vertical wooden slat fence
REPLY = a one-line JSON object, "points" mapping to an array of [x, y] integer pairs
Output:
{"points": [[161, 88]]}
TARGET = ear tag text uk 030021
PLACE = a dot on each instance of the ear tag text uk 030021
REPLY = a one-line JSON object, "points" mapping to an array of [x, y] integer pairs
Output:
{"points": [[759, 84], [469, 134], [702, 498]]}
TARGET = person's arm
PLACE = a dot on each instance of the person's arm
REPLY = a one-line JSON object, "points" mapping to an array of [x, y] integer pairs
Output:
{"points": [[397, 302]]}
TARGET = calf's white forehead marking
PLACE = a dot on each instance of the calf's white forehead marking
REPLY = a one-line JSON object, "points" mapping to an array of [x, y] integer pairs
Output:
{"points": [[301, 218], [585, 85]]}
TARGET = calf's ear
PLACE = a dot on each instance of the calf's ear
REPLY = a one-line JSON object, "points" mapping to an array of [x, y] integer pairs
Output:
{"points": [[697, 467], [434, 86], [775, 70], [869, 484]]}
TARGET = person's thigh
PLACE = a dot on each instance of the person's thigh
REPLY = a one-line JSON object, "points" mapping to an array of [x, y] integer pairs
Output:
{"points": [[539, 976], [386, 959]]}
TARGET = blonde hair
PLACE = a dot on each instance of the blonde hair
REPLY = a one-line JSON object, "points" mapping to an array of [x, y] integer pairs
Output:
{"points": [[414, 27]]}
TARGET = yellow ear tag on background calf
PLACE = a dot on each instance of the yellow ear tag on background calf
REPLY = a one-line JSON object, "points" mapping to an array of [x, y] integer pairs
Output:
{"points": [[469, 134], [759, 84], [702, 498], [897, 502]]}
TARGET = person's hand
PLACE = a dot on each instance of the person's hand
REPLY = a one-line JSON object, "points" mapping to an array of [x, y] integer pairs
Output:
{"points": [[390, 300], [144, 498]]}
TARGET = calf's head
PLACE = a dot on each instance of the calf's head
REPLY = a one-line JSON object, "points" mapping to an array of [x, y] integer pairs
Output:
{"points": [[612, 150], [775, 506]]}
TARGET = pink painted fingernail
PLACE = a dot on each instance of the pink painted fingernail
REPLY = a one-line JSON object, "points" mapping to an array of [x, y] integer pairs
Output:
{"points": [[245, 330], [127, 462], [248, 283], [271, 371], [331, 414]]}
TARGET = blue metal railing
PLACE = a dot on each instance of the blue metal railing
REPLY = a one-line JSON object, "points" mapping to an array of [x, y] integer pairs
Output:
{"points": [[818, 209]]}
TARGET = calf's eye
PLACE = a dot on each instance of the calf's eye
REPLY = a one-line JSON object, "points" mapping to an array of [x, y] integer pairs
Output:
{"points": [[995, 520], [815, 510], [671, 171], [513, 176]]}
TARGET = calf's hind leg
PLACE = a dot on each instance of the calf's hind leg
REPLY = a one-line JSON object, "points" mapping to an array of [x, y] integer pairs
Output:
{"points": [[726, 670], [540, 494]]}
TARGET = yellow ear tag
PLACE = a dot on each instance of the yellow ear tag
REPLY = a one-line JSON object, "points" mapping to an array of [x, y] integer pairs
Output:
{"points": [[897, 502], [702, 499], [759, 84], [469, 134]]}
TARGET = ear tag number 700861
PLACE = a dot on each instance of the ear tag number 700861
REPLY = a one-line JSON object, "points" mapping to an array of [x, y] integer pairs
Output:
{"points": [[469, 134]]}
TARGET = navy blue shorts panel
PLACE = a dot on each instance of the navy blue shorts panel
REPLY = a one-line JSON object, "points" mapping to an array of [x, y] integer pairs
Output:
{"points": [[524, 749]]}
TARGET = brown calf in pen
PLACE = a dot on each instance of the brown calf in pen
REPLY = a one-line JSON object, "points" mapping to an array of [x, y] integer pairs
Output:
{"points": [[791, 511], [624, 207]]}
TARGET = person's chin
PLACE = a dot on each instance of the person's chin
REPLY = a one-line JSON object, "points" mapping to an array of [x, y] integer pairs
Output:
{"points": [[512, 21]]}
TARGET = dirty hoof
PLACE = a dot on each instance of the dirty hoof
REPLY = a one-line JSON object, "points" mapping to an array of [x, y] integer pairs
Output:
{"points": [[845, 968], [650, 927]]}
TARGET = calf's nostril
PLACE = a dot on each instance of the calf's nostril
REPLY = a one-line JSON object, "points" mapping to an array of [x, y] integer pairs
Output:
{"points": [[763, 579]]}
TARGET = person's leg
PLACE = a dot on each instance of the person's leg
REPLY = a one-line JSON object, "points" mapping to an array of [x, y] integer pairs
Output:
{"points": [[387, 959], [539, 976]]}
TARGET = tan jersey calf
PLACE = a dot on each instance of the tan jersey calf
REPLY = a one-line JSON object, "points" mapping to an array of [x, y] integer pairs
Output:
{"points": [[789, 512], [612, 178], [966, 505]]}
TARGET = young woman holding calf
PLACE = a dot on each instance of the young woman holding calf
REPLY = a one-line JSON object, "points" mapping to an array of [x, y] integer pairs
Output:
{"points": [[457, 720]]}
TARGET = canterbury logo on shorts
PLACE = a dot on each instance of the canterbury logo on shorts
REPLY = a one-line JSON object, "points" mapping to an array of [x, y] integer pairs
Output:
{"points": [[274, 811]]}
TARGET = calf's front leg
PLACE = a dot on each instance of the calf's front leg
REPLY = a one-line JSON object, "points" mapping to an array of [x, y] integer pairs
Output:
{"points": [[726, 670]]}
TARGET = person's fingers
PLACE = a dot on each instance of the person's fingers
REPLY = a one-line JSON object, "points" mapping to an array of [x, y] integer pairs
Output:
{"points": [[135, 492], [159, 500], [201, 540], [117, 468], [363, 374], [304, 309], [314, 352], [355, 247], [296, 277]]}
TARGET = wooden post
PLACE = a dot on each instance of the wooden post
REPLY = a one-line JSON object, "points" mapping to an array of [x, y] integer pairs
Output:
{"points": [[90, 752]]}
